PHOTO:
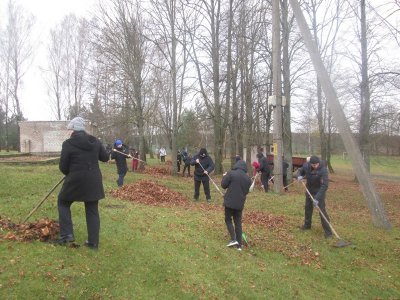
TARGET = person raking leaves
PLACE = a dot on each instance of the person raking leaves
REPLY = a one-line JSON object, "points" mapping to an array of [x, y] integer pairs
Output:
{"points": [[79, 162], [204, 165], [237, 183], [316, 175], [120, 153]]}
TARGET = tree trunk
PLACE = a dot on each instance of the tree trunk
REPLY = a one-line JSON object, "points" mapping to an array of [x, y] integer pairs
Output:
{"points": [[365, 93]]}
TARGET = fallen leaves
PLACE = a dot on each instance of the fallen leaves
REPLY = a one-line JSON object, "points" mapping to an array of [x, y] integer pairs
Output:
{"points": [[149, 193], [263, 219], [43, 230]]}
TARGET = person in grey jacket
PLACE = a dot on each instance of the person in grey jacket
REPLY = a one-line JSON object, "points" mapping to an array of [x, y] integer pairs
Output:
{"points": [[79, 162], [316, 175], [237, 183]]}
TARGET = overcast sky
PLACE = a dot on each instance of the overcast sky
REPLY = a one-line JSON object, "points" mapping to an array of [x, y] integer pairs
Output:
{"points": [[48, 13]]}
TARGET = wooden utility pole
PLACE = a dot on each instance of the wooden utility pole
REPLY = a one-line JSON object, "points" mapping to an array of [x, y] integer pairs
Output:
{"points": [[277, 103], [374, 202]]}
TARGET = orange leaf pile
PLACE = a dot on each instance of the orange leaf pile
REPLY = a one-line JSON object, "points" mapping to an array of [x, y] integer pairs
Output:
{"points": [[43, 230], [150, 193]]}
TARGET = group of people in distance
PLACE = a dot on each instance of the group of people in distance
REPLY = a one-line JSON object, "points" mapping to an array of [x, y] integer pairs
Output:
{"points": [[79, 162]]}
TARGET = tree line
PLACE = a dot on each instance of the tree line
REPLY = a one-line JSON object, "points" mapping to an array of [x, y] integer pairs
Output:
{"points": [[191, 73]]}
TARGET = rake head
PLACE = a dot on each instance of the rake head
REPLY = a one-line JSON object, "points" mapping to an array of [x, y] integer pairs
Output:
{"points": [[342, 243]]}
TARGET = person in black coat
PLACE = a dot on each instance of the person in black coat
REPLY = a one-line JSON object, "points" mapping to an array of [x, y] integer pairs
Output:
{"points": [[237, 183], [316, 175], [285, 167], [186, 157], [264, 169], [178, 160], [79, 162], [120, 153], [204, 165]]}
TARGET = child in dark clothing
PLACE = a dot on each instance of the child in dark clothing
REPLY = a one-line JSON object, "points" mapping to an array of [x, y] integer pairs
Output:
{"points": [[237, 183]]}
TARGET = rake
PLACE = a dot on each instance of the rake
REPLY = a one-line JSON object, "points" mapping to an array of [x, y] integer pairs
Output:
{"points": [[341, 242], [253, 183], [216, 186], [128, 155], [41, 201]]}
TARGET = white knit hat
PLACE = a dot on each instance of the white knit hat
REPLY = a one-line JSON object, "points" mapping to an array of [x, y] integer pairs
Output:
{"points": [[77, 124]]}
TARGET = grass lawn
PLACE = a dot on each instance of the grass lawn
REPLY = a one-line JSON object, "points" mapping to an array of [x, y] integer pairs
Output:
{"points": [[179, 252]]}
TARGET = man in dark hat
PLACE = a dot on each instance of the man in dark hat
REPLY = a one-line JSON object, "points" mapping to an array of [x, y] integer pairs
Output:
{"points": [[316, 175], [204, 165]]}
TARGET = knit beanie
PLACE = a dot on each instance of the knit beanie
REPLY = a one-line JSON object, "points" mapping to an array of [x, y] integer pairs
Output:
{"points": [[77, 124]]}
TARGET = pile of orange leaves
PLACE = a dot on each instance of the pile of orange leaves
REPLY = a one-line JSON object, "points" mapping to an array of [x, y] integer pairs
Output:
{"points": [[150, 193], [42, 230]]}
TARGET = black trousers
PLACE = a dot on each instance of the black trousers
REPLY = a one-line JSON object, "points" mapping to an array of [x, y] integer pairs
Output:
{"points": [[184, 169], [264, 180], [92, 220], [285, 182], [308, 212], [234, 231], [206, 186]]}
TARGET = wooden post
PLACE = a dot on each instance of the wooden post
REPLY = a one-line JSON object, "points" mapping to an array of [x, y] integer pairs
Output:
{"points": [[277, 85]]}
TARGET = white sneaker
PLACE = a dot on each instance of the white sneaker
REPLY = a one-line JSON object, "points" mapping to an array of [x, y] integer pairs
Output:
{"points": [[232, 243], [239, 248]]}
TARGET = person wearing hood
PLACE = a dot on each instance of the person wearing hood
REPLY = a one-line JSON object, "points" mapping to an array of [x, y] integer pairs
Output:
{"points": [[79, 162], [204, 165], [264, 169], [237, 182], [120, 153]]}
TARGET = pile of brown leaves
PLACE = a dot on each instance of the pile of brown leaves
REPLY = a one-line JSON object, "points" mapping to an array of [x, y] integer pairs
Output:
{"points": [[263, 219], [43, 230], [150, 193], [158, 171]]}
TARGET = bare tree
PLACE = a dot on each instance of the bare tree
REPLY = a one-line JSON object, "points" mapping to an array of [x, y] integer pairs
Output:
{"points": [[16, 55], [166, 32], [119, 37], [206, 38]]}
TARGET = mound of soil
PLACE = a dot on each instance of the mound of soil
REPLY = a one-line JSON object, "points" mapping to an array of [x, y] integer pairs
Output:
{"points": [[150, 193], [42, 230]]}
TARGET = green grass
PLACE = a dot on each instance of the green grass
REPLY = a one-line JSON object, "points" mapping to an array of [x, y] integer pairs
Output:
{"points": [[379, 165], [179, 253]]}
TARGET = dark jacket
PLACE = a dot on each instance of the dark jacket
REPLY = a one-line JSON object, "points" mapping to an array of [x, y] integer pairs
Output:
{"points": [[264, 166], [285, 167], [120, 159], [79, 161], [317, 179], [238, 184], [206, 163]]}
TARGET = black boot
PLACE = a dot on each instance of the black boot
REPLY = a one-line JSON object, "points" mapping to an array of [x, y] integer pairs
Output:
{"points": [[63, 240]]}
